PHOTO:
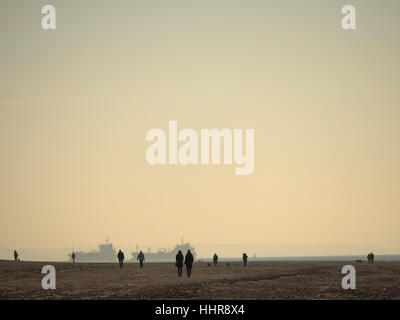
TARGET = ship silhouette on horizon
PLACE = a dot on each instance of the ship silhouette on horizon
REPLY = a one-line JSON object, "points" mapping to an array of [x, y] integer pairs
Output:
{"points": [[164, 255], [107, 253]]}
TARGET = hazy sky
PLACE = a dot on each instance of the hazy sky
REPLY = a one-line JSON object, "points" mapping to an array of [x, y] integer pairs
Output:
{"points": [[76, 103]]}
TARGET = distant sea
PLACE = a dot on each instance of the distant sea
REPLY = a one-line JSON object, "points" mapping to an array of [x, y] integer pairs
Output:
{"points": [[395, 257]]}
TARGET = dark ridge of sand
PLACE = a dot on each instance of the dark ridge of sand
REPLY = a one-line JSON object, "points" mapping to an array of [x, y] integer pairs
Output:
{"points": [[260, 280]]}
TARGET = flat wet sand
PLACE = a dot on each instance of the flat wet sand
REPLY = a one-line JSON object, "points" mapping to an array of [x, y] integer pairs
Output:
{"points": [[260, 280]]}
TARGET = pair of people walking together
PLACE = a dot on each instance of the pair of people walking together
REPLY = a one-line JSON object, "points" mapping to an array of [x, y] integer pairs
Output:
{"points": [[179, 262]]}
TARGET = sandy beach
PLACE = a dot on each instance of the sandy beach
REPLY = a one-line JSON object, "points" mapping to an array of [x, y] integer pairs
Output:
{"points": [[260, 280]]}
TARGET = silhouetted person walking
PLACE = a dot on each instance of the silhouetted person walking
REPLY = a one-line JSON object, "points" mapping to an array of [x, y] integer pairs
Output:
{"points": [[121, 258], [15, 255], [245, 259], [73, 256], [215, 259], [140, 257], [179, 262], [189, 263]]}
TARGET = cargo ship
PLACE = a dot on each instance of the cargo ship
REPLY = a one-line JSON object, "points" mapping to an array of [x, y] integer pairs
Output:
{"points": [[106, 253], [164, 255]]}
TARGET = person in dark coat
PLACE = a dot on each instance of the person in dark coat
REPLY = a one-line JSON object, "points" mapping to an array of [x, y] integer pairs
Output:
{"points": [[189, 263], [215, 259], [245, 259], [15, 255], [370, 257], [73, 256], [121, 258], [140, 257], [179, 262]]}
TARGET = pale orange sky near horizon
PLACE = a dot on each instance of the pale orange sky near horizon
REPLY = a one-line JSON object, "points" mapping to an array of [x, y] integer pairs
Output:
{"points": [[76, 103]]}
